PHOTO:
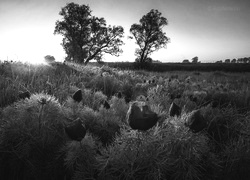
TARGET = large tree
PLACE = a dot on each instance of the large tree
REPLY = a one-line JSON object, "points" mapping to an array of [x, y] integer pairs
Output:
{"points": [[86, 37], [149, 34]]}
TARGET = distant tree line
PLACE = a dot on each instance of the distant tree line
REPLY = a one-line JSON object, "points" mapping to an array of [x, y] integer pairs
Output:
{"points": [[239, 60], [206, 67], [194, 60]]}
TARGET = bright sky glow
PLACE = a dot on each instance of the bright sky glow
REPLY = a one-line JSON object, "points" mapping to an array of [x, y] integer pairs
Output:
{"points": [[210, 29]]}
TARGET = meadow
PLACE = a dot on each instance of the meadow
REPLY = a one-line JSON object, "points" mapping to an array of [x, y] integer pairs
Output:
{"points": [[34, 145]]}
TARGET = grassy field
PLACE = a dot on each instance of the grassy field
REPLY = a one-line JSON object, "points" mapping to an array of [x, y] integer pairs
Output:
{"points": [[33, 143]]}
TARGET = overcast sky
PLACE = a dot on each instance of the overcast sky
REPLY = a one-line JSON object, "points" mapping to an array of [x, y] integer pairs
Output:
{"points": [[210, 29]]}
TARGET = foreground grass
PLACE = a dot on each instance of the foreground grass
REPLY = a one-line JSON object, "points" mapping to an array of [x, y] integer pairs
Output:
{"points": [[33, 144]]}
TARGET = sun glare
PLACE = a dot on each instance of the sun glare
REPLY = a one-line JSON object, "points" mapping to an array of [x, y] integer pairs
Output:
{"points": [[31, 45]]}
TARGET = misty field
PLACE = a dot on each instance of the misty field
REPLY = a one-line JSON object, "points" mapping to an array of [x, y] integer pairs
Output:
{"points": [[34, 145]]}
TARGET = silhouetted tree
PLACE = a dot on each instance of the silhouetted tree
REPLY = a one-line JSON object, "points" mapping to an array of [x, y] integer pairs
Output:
{"points": [[227, 60], [86, 37], [49, 59], [233, 61], [149, 35], [156, 61], [185, 61], [195, 59], [240, 60], [245, 60]]}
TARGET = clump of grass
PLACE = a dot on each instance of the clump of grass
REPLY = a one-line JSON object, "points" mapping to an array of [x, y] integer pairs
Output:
{"points": [[93, 99], [224, 125], [31, 134], [119, 107], [228, 133], [8, 92], [236, 159], [103, 124], [108, 84], [128, 90], [236, 99], [162, 153], [80, 161], [159, 95]]}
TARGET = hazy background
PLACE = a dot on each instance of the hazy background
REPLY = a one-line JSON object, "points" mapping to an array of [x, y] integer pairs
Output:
{"points": [[210, 29]]}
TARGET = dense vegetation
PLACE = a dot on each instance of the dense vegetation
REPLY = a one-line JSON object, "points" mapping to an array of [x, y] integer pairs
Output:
{"points": [[33, 143]]}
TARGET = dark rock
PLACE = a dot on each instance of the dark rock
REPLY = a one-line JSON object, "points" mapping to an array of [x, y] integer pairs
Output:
{"points": [[172, 96], [106, 104], [119, 95], [193, 98], [76, 130], [174, 110], [141, 119], [24, 95], [77, 96], [195, 121], [178, 96]]}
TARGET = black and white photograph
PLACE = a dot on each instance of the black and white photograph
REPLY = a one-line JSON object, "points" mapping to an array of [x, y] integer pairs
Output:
{"points": [[124, 90]]}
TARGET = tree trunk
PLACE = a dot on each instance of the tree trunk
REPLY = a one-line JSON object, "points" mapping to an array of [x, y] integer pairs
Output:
{"points": [[142, 56], [91, 56], [142, 59]]}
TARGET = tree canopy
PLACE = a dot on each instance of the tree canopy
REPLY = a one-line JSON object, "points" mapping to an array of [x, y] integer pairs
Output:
{"points": [[195, 59], [86, 37], [149, 35], [49, 58]]}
